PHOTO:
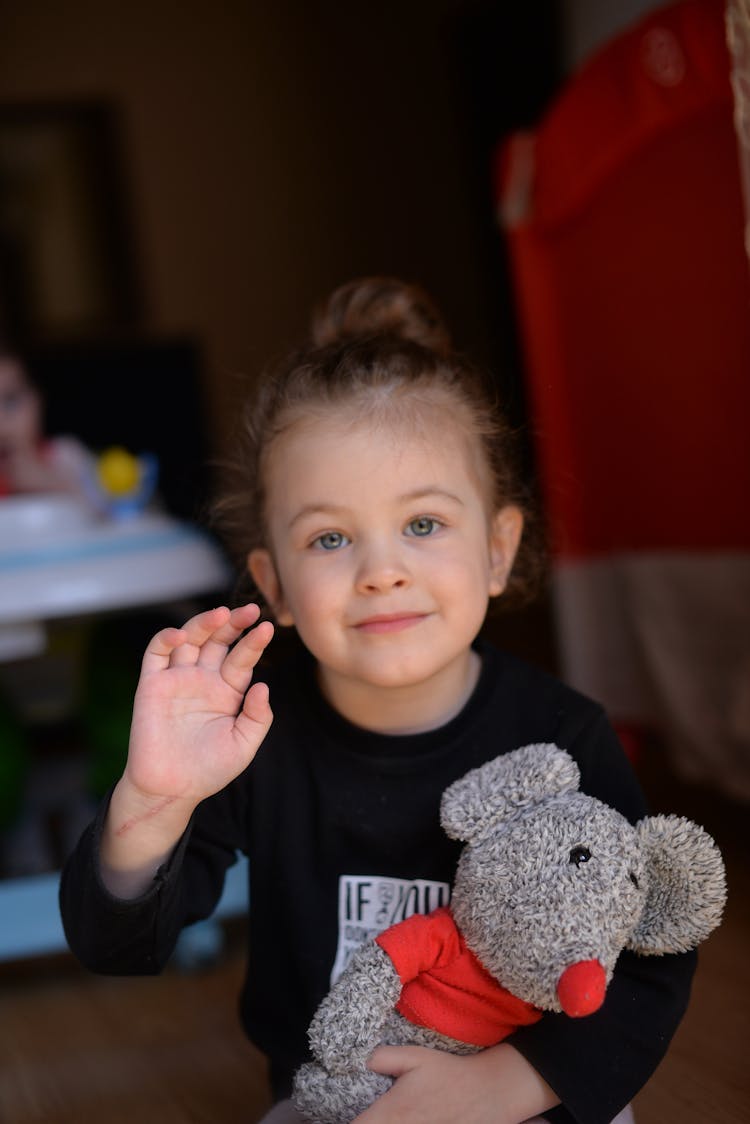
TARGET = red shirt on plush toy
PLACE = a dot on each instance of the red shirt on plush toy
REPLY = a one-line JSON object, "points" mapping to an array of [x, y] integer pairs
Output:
{"points": [[446, 987]]}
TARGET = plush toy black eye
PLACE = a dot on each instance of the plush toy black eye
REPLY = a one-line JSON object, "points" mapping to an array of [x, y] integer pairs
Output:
{"points": [[634, 880], [580, 855]]}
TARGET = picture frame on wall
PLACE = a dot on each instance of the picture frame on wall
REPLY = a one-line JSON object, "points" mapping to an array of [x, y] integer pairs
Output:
{"points": [[67, 262]]}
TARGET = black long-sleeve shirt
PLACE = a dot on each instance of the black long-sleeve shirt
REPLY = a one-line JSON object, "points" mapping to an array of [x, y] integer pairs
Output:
{"points": [[341, 827]]}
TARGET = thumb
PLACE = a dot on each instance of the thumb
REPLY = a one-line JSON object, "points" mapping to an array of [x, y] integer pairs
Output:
{"points": [[254, 720], [395, 1061]]}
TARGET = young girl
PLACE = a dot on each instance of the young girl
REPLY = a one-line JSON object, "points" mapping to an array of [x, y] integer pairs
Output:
{"points": [[381, 513]]}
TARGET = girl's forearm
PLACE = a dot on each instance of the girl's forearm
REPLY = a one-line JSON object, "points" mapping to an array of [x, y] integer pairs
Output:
{"points": [[139, 836], [523, 1092]]}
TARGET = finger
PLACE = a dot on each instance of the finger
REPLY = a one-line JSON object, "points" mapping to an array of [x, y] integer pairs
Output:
{"points": [[394, 1061], [255, 718], [161, 648], [202, 625], [237, 668], [214, 649], [210, 634], [198, 631], [184, 656], [174, 646]]}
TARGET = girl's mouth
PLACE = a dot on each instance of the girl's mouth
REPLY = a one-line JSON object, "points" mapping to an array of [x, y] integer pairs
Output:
{"points": [[389, 622]]}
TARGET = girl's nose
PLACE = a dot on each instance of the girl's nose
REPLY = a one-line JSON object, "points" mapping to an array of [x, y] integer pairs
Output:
{"points": [[381, 570]]}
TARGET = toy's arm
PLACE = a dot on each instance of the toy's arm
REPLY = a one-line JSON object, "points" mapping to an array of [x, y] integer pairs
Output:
{"points": [[347, 1025]]}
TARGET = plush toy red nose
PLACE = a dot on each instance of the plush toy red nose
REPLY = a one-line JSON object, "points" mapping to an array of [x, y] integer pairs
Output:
{"points": [[581, 988]]}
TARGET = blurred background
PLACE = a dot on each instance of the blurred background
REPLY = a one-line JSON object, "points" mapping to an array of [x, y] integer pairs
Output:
{"points": [[179, 184], [251, 157]]}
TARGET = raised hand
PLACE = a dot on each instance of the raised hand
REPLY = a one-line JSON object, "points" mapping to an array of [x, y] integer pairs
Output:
{"points": [[197, 722]]}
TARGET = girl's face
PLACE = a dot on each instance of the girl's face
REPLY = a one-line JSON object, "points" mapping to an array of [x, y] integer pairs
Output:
{"points": [[382, 554]]}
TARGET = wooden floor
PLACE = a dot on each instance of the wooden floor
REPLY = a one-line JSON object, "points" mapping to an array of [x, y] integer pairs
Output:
{"points": [[705, 1077], [75, 1049]]}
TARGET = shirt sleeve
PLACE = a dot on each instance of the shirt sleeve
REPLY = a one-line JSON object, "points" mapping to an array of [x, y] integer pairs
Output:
{"points": [[114, 936], [597, 1064]]}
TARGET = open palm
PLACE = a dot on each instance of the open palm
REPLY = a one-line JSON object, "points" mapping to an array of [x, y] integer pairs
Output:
{"points": [[197, 721]]}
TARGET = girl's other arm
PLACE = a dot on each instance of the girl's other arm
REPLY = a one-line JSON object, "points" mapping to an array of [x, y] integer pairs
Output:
{"points": [[197, 724]]}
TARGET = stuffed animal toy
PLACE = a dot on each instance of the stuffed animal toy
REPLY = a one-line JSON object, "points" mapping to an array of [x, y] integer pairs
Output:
{"points": [[551, 886]]}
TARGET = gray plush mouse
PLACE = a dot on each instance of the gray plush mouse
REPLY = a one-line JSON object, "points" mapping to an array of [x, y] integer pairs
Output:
{"points": [[551, 886]]}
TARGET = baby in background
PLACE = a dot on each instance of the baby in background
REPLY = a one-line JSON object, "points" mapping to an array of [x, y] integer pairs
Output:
{"points": [[29, 461]]}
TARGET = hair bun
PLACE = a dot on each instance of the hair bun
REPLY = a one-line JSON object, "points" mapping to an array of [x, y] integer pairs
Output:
{"points": [[380, 305]]}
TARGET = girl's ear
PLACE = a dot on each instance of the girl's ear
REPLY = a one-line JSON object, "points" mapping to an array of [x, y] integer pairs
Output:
{"points": [[506, 529], [263, 572]]}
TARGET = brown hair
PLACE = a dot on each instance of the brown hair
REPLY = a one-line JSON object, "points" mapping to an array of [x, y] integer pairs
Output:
{"points": [[381, 344]]}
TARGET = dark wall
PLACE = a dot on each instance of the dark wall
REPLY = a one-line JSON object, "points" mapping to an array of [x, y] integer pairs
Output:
{"points": [[274, 151]]}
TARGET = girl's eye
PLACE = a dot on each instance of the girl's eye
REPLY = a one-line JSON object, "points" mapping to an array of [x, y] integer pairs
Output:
{"points": [[331, 540], [422, 526]]}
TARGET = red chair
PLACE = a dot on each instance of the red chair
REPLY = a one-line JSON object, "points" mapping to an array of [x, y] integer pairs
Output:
{"points": [[624, 220]]}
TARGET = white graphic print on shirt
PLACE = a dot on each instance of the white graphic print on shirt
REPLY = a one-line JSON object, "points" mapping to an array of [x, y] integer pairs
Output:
{"points": [[368, 904]]}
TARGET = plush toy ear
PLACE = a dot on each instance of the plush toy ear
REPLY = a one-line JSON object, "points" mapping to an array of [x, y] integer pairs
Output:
{"points": [[686, 886], [504, 786]]}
